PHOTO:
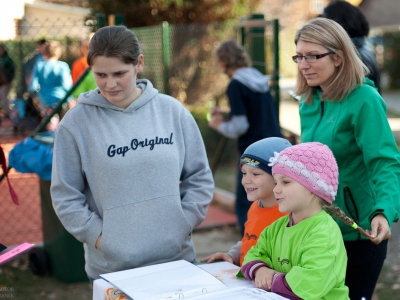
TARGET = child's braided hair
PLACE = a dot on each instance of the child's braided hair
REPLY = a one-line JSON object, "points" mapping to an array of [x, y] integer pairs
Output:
{"points": [[338, 213]]}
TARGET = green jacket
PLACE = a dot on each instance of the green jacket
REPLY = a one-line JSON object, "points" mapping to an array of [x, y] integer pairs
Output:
{"points": [[358, 133]]}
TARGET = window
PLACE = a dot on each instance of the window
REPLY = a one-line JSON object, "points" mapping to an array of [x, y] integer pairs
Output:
{"points": [[317, 6]]}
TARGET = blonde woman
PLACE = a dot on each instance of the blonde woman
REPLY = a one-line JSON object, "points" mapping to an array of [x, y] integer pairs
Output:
{"points": [[342, 108]]}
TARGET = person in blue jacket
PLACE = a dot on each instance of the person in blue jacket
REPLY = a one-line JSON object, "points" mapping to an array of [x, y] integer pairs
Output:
{"points": [[51, 79]]}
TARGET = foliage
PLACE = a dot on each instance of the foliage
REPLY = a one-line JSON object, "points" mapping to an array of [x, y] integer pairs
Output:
{"points": [[140, 13], [391, 65]]}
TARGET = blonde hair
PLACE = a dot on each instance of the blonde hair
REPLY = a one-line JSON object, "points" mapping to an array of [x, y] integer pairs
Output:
{"points": [[349, 74]]}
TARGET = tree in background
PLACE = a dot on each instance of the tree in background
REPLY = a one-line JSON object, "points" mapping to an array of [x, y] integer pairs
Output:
{"points": [[147, 13], [193, 77]]}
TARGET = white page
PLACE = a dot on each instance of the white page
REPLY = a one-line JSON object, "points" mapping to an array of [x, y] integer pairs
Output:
{"points": [[164, 281], [226, 272], [242, 293]]}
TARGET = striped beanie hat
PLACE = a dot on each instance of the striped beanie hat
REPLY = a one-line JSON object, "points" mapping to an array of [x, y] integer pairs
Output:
{"points": [[312, 165]]}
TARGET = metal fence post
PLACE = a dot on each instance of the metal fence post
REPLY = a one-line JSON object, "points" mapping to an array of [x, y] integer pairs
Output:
{"points": [[69, 58], [166, 56], [242, 33], [275, 86], [101, 20], [119, 19], [116, 19], [257, 44]]}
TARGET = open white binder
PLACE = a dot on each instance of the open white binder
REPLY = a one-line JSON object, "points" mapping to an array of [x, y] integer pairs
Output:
{"points": [[183, 280]]}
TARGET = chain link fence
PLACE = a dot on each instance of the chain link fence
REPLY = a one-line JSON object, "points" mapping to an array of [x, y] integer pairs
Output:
{"points": [[178, 60]]}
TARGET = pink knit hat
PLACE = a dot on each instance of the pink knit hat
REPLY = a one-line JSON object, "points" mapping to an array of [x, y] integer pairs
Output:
{"points": [[312, 165]]}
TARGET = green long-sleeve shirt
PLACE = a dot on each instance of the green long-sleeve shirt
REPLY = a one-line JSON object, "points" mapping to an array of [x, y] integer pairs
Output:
{"points": [[310, 253]]}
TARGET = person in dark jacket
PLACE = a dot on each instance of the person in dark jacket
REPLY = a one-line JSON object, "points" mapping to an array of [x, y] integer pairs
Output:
{"points": [[253, 115], [7, 73], [357, 27]]}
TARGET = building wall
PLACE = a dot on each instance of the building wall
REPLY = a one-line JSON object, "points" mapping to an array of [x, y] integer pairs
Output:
{"points": [[54, 20], [9, 11], [292, 14], [41, 19], [382, 13]]}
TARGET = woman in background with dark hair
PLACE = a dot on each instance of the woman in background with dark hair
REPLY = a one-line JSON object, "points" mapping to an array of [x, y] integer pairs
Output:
{"points": [[357, 27]]}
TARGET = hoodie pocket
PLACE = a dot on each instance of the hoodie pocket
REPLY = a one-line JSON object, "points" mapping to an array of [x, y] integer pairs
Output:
{"points": [[144, 232]]}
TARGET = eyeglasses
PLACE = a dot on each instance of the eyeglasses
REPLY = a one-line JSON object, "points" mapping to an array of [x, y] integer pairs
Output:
{"points": [[309, 58]]}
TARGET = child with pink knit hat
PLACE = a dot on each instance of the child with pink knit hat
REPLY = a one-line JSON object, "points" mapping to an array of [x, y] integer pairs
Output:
{"points": [[302, 255]]}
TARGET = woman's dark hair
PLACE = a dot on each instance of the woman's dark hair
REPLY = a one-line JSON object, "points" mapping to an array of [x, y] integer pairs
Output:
{"points": [[114, 41], [349, 16]]}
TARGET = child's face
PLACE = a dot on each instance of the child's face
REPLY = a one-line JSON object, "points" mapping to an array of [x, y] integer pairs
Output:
{"points": [[291, 196], [116, 79], [257, 183]]}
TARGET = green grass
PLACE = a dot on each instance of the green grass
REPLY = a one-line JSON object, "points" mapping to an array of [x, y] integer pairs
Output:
{"points": [[18, 282]]}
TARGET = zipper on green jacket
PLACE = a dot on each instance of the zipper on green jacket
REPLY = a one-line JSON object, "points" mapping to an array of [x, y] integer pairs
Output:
{"points": [[320, 119], [348, 199]]}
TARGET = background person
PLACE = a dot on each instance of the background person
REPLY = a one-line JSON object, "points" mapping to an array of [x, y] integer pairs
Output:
{"points": [[30, 117], [28, 65], [7, 73], [258, 183], [80, 64], [51, 79], [302, 256], [342, 109], [357, 27], [130, 177], [78, 68], [253, 114]]}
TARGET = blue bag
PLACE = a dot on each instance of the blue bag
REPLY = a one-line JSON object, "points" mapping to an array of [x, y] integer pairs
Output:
{"points": [[34, 155]]}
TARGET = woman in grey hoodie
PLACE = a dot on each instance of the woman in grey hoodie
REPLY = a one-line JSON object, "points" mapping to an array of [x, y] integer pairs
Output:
{"points": [[130, 174]]}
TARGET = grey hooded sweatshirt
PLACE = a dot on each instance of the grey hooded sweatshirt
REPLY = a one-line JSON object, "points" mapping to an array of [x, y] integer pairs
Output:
{"points": [[139, 176]]}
